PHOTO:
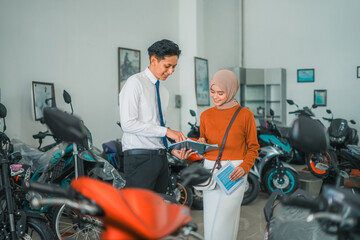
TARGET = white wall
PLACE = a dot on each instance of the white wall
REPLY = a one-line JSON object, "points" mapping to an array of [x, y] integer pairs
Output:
{"points": [[322, 34], [74, 45], [221, 36]]}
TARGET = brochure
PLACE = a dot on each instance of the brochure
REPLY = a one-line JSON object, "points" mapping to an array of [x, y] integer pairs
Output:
{"points": [[191, 144], [222, 177]]}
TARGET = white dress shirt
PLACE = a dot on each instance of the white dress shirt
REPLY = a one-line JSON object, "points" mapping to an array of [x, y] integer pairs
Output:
{"points": [[139, 114]]}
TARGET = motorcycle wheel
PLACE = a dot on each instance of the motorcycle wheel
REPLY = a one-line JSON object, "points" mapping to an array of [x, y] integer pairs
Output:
{"points": [[326, 158], [69, 224], [38, 229], [184, 196], [252, 189], [288, 183], [197, 199]]}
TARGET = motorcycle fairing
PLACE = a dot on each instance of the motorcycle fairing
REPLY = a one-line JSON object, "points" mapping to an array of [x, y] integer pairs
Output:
{"points": [[133, 213], [282, 142]]}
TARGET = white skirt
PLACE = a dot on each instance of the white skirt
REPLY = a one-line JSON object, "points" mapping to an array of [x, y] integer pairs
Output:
{"points": [[222, 211]]}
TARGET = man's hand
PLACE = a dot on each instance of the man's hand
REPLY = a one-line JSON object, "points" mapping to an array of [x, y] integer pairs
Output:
{"points": [[175, 135], [182, 154], [237, 173]]}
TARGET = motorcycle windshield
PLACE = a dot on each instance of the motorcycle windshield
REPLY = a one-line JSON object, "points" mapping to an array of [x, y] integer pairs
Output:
{"points": [[338, 128]]}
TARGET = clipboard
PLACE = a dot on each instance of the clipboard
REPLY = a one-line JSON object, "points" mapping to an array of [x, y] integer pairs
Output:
{"points": [[195, 146], [222, 177]]}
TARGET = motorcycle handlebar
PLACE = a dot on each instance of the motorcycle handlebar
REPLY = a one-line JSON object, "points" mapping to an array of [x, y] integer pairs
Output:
{"points": [[302, 203], [328, 119], [293, 112], [50, 189], [41, 135]]}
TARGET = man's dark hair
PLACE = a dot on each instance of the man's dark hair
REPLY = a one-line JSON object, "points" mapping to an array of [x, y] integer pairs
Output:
{"points": [[163, 48]]}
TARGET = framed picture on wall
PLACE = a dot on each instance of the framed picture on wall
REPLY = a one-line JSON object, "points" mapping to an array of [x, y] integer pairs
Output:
{"points": [[43, 95], [202, 82], [306, 75], [358, 72], [320, 97], [128, 64]]}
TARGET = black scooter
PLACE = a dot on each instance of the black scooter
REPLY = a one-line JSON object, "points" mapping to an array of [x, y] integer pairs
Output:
{"points": [[342, 137]]}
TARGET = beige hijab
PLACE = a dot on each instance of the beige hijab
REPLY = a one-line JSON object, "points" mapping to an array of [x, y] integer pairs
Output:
{"points": [[227, 81]]}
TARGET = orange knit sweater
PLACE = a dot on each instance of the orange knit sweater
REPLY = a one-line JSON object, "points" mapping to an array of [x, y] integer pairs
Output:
{"points": [[241, 143]]}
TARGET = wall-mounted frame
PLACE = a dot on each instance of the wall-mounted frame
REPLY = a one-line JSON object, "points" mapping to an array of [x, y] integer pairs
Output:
{"points": [[202, 81], [129, 61], [305, 75], [358, 72], [320, 97], [43, 95]]}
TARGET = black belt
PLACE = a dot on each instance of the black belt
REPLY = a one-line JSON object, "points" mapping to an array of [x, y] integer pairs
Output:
{"points": [[145, 151]]}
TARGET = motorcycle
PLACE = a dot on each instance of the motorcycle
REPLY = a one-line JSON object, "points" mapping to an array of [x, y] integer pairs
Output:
{"points": [[112, 151], [182, 194], [273, 173], [336, 210], [128, 213], [68, 161], [271, 132], [16, 223], [340, 135]]}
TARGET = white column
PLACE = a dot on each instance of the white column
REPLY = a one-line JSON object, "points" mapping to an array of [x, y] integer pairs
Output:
{"points": [[188, 46]]}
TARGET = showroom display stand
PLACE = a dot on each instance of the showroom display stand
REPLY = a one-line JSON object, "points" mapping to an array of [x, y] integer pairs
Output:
{"points": [[262, 90]]}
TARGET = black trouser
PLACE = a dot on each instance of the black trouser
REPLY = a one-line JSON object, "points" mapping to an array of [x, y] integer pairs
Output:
{"points": [[147, 169]]}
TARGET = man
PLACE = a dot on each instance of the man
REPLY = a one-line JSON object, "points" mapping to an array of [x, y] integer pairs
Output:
{"points": [[143, 103]]}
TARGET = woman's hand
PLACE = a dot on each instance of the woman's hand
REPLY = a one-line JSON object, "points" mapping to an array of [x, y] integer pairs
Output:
{"points": [[237, 173], [201, 140], [183, 154]]}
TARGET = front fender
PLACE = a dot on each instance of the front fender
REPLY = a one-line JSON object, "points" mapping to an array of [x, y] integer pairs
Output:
{"points": [[255, 172], [289, 166]]}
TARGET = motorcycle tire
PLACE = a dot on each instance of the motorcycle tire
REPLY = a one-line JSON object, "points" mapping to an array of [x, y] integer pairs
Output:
{"points": [[197, 199], [326, 158], [252, 189], [287, 184], [185, 196], [70, 224], [38, 229]]}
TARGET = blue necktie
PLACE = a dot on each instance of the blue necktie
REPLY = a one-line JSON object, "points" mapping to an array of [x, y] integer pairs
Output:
{"points": [[160, 112]]}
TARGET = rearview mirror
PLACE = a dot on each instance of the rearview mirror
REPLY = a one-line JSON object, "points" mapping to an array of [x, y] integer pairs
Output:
{"points": [[3, 111], [289, 101], [67, 97], [192, 113]]}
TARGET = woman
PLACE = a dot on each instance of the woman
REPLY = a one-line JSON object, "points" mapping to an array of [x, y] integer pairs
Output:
{"points": [[222, 211]]}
